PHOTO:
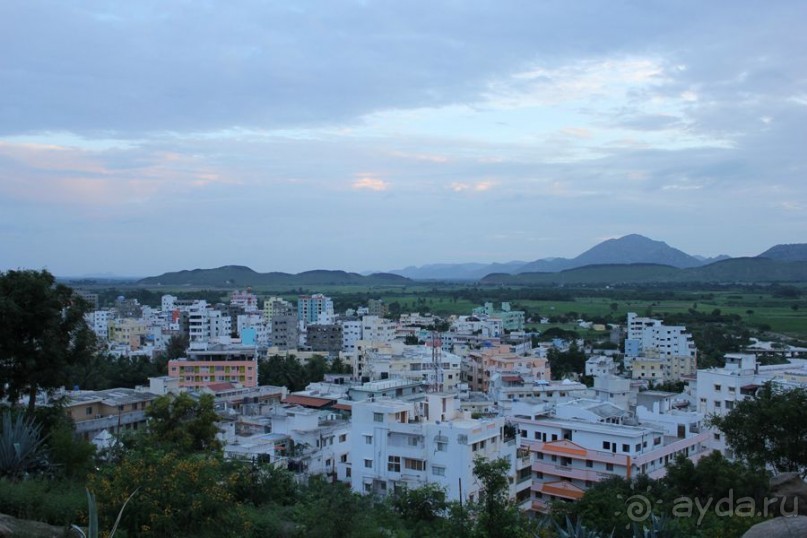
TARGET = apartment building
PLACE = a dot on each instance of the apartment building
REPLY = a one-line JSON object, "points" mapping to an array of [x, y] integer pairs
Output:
{"points": [[571, 454], [481, 364], [398, 444], [216, 363], [310, 308], [112, 411]]}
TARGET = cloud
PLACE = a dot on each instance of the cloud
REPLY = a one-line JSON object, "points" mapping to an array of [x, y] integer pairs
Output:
{"points": [[479, 186], [369, 183], [50, 174]]}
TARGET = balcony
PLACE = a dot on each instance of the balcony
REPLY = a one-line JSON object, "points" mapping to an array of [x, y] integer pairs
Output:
{"points": [[566, 471], [562, 489]]}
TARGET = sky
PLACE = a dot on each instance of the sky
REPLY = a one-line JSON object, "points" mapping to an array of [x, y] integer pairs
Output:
{"points": [[143, 137]]}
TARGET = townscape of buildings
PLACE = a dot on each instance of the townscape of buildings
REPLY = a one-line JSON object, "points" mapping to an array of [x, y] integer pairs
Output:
{"points": [[411, 413]]}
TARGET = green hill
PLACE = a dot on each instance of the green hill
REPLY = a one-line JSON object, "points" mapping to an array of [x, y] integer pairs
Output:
{"points": [[240, 276], [734, 270]]}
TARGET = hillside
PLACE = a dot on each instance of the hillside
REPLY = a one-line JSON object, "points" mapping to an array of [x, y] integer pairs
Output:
{"points": [[795, 252], [240, 276], [630, 249], [735, 270]]}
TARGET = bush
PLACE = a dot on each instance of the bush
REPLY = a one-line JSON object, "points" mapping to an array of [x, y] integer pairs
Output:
{"points": [[53, 502]]}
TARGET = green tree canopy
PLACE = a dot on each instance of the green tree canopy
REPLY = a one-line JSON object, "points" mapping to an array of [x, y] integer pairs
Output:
{"points": [[769, 429], [183, 424], [42, 333]]}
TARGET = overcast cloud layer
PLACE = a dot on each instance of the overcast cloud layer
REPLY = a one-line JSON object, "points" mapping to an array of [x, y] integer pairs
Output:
{"points": [[143, 137]]}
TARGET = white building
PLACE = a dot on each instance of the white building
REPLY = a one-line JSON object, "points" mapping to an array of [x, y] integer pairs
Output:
{"points": [[376, 329], [398, 444], [719, 389], [600, 365], [571, 454], [207, 324], [351, 334]]}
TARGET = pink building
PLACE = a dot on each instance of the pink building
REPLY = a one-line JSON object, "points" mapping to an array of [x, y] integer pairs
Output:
{"points": [[216, 364]]}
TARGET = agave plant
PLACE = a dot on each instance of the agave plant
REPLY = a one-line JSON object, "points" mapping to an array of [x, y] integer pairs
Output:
{"points": [[578, 530], [92, 517], [20, 444]]}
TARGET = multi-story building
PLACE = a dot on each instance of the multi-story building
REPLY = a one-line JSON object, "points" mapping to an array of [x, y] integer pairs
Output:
{"points": [[284, 333], [600, 365], [216, 363], [510, 386], [571, 454], [719, 389], [206, 324], [98, 321], [432, 366], [397, 444], [112, 411], [311, 307], [662, 369], [480, 365], [244, 299], [512, 320], [376, 329], [276, 305], [325, 338], [128, 331], [351, 334], [376, 307], [650, 337], [252, 329]]}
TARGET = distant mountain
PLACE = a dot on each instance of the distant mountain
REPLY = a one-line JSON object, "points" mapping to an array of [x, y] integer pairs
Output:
{"points": [[457, 271], [629, 249], [795, 252], [734, 270], [241, 276]]}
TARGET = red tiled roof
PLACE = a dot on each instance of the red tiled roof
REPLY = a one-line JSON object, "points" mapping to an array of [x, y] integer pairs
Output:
{"points": [[308, 401], [342, 407], [512, 378]]}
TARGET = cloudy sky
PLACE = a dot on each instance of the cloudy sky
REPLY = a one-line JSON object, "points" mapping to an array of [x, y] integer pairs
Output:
{"points": [[144, 137]]}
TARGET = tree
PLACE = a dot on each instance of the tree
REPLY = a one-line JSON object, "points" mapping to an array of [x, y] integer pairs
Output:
{"points": [[183, 424], [498, 516], [42, 333], [769, 429]]}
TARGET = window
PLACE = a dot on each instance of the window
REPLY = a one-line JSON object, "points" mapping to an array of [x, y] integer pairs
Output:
{"points": [[343, 458], [414, 465], [437, 470], [368, 464], [717, 437], [717, 404], [394, 464], [368, 439], [442, 446], [609, 466], [413, 440], [606, 445], [343, 438], [589, 463], [89, 410], [625, 448], [378, 417], [717, 388]]}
